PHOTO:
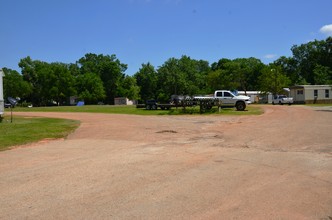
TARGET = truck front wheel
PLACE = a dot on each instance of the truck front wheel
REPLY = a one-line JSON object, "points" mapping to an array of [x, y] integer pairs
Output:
{"points": [[240, 106]]}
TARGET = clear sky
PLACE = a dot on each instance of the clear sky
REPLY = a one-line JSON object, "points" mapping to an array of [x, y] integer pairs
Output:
{"points": [[141, 31]]}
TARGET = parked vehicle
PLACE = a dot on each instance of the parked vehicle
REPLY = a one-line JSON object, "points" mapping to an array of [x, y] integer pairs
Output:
{"points": [[282, 99], [221, 98], [226, 98]]}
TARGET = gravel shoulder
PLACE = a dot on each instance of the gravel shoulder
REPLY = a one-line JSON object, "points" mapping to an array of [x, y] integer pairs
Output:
{"points": [[274, 166]]}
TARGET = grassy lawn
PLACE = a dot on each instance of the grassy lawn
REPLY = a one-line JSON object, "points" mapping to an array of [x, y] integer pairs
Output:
{"points": [[251, 110], [27, 130]]}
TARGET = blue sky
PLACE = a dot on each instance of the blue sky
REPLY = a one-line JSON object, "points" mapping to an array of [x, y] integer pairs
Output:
{"points": [[141, 31]]}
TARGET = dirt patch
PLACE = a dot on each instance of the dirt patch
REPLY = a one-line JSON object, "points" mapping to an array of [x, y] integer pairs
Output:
{"points": [[167, 131], [274, 166]]}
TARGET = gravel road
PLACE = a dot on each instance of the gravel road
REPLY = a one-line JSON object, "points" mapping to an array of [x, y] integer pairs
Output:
{"points": [[274, 166]]}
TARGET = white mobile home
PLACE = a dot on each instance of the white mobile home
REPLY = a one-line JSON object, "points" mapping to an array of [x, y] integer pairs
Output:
{"points": [[2, 102], [311, 94]]}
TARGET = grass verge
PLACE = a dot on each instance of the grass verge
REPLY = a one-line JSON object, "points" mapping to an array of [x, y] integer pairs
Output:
{"points": [[25, 130]]}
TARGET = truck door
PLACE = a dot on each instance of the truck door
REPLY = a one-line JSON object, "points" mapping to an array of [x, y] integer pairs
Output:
{"points": [[227, 98]]}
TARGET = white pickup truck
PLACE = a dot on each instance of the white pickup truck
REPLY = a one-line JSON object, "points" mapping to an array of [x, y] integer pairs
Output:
{"points": [[282, 99], [228, 99]]}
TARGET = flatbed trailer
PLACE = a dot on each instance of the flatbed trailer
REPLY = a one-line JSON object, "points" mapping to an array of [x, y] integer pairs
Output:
{"points": [[204, 103], [221, 98]]}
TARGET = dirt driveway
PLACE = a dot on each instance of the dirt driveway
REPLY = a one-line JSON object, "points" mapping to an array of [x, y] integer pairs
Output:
{"points": [[274, 166]]}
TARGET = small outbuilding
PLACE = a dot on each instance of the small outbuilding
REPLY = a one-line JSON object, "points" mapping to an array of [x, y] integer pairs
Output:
{"points": [[124, 101], [257, 96], [311, 94]]}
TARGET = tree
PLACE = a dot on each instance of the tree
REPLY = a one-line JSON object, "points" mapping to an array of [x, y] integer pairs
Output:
{"points": [[61, 83], [30, 74], [290, 68], [237, 74], [195, 72], [90, 88], [247, 72], [220, 64], [108, 68], [322, 75], [14, 85], [50, 82], [129, 88], [146, 79], [308, 56], [184, 76], [171, 81], [273, 80]]}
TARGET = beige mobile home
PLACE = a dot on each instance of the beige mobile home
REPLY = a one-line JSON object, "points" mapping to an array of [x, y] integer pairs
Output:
{"points": [[311, 94]]}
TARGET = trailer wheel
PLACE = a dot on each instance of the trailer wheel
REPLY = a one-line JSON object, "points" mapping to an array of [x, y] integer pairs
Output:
{"points": [[240, 106], [154, 107], [148, 107], [162, 107]]}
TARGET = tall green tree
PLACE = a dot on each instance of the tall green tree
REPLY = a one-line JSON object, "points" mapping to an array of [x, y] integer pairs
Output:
{"points": [[30, 69], [184, 76], [14, 85], [171, 81], [90, 88], [322, 75], [129, 88], [237, 74], [290, 67], [61, 83], [146, 79], [108, 68], [308, 56], [195, 72], [50, 82], [273, 80]]}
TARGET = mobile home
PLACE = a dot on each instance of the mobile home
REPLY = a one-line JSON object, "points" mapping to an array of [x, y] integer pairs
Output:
{"points": [[311, 94]]}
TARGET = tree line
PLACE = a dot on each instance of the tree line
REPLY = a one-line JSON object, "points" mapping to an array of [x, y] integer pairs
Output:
{"points": [[100, 78]]}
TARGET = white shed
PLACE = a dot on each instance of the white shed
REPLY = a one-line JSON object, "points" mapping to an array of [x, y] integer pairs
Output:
{"points": [[311, 94], [2, 102], [257, 96], [124, 101]]}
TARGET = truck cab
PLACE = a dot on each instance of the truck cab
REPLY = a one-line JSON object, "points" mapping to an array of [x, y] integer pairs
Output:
{"points": [[229, 99]]}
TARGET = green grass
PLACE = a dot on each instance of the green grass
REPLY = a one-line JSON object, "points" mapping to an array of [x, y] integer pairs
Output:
{"points": [[251, 110], [25, 130]]}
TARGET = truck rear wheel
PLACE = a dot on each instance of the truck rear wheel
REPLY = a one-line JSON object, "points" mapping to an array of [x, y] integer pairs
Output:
{"points": [[240, 106]]}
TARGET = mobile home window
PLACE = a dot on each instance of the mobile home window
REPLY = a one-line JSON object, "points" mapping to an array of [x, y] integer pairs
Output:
{"points": [[327, 93], [315, 93], [300, 92]]}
